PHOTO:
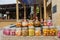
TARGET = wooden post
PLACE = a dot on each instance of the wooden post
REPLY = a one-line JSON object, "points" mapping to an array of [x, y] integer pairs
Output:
{"points": [[45, 10], [34, 11], [17, 10], [24, 11], [8, 17], [40, 13]]}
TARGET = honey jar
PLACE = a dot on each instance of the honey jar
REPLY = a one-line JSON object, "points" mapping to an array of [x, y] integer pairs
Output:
{"points": [[18, 32], [37, 31], [24, 31], [31, 31]]}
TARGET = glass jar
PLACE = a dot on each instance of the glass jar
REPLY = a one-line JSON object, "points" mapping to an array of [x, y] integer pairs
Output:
{"points": [[18, 24], [18, 31], [46, 31], [12, 31], [58, 32], [37, 31], [45, 23], [6, 32], [24, 31], [31, 31], [24, 23], [30, 23], [53, 31]]}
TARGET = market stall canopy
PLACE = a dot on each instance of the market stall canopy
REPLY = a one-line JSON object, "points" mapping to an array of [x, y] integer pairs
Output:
{"points": [[31, 2]]}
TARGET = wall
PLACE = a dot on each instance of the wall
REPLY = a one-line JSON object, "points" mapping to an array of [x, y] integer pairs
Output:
{"points": [[56, 15]]}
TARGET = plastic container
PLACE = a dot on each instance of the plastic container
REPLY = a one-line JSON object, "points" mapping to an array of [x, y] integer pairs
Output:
{"points": [[37, 31], [24, 31], [31, 31], [18, 31]]}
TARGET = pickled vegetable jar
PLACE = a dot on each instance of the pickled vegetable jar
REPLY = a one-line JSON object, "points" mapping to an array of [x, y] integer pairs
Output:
{"points": [[37, 31], [31, 31]]}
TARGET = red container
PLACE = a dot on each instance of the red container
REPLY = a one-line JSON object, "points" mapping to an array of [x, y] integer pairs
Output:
{"points": [[6, 31]]}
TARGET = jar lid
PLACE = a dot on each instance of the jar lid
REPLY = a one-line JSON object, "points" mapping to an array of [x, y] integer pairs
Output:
{"points": [[37, 28], [24, 28], [31, 26], [58, 27], [45, 26], [52, 26], [18, 28]]}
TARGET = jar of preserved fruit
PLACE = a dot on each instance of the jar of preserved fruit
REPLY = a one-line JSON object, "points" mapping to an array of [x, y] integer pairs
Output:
{"points": [[53, 31], [31, 31], [24, 31], [37, 31], [18, 31], [46, 31], [30, 23]]}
